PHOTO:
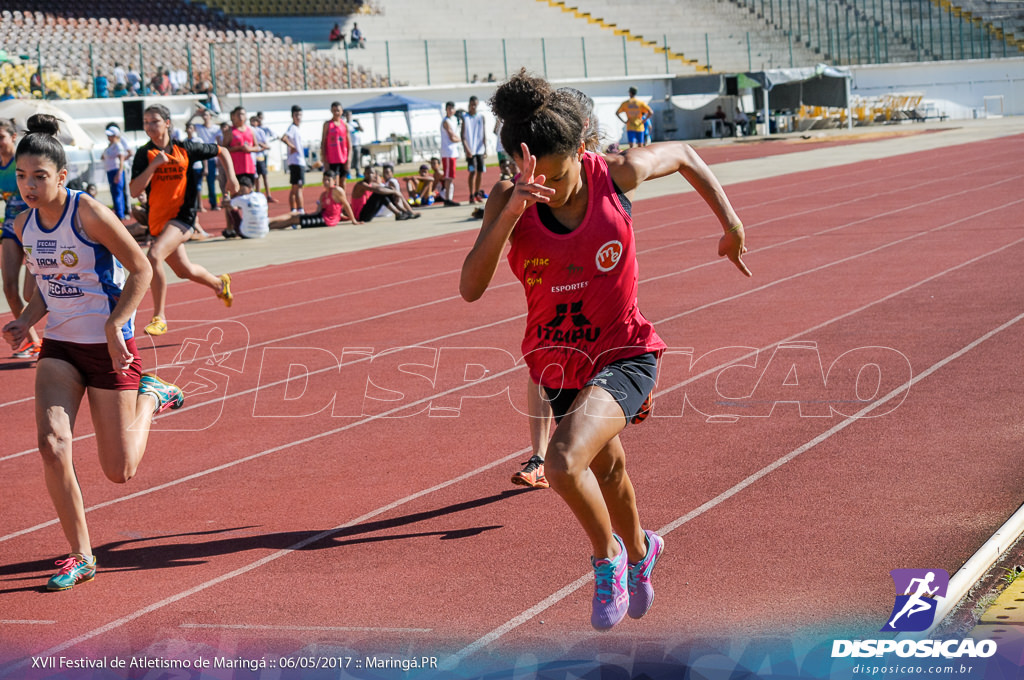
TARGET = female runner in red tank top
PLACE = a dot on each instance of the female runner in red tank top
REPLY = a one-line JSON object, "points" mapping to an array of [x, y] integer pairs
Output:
{"points": [[586, 342]]}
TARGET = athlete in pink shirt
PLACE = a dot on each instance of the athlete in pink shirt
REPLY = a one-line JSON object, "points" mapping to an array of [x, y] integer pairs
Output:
{"points": [[567, 218]]}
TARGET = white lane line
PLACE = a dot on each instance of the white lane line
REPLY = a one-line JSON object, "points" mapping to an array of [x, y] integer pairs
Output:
{"points": [[16, 401], [845, 315], [128, 618], [328, 298], [553, 599], [274, 270], [849, 258], [25, 622], [316, 629]]}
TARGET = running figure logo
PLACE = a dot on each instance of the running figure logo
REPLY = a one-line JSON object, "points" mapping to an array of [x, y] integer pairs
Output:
{"points": [[918, 592], [209, 358]]}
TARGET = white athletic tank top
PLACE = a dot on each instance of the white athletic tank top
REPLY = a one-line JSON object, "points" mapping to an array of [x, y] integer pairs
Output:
{"points": [[79, 279], [450, 149]]}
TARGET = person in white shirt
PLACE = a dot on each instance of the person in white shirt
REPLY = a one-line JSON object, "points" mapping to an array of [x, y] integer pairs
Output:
{"points": [[267, 132], [474, 143], [263, 136], [207, 131], [249, 212], [355, 145], [120, 76], [742, 121], [178, 79], [115, 156], [506, 164], [390, 181], [198, 169], [296, 161], [451, 144]]}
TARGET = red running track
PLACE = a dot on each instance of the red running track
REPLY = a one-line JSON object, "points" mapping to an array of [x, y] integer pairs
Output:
{"points": [[366, 509]]}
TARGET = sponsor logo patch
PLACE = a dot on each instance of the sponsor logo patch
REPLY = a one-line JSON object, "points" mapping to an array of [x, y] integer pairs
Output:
{"points": [[608, 255], [61, 290]]}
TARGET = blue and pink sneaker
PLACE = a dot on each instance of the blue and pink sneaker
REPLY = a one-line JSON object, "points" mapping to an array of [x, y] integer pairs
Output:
{"points": [[167, 394], [75, 569], [611, 599], [641, 592]]}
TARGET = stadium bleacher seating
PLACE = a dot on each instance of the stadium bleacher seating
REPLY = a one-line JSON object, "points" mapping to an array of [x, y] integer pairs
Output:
{"points": [[803, 32], [73, 40], [247, 8], [609, 38]]}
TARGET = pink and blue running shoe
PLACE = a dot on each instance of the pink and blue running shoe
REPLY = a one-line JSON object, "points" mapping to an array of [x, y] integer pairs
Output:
{"points": [[167, 395], [75, 569], [641, 592], [611, 599]]}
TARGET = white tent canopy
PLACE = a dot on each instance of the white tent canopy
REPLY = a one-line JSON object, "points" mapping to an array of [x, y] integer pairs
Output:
{"points": [[71, 133]]}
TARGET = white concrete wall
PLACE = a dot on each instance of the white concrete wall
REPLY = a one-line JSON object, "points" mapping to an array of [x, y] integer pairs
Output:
{"points": [[956, 88]]}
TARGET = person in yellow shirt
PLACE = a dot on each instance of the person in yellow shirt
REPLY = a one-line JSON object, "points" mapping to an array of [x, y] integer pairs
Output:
{"points": [[637, 113]]}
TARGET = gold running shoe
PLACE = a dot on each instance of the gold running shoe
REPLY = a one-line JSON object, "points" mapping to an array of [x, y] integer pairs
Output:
{"points": [[156, 327], [225, 289]]}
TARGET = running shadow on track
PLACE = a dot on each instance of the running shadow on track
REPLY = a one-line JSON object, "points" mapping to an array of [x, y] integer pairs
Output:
{"points": [[126, 555], [17, 365], [45, 568]]}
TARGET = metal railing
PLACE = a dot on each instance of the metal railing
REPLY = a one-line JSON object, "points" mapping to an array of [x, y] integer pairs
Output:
{"points": [[802, 33]]}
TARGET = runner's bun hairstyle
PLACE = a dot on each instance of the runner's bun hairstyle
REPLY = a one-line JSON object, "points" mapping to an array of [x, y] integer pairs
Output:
{"points": [[591, 131], [41, 140], [43, 123], [548, 121]]}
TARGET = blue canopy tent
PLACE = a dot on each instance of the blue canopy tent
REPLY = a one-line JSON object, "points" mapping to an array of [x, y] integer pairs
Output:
{"points": [[393, 102], [390, 102]]}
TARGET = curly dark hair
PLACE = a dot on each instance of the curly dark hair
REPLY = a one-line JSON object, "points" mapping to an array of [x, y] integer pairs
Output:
{"points": [[547, 120]]}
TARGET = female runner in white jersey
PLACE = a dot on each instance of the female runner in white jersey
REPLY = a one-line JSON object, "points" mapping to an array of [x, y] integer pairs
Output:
{"points": [[567, 218], [79, 252]]}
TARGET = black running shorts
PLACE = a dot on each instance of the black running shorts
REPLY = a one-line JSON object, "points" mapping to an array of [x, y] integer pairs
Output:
{"points": [[629, 381]]}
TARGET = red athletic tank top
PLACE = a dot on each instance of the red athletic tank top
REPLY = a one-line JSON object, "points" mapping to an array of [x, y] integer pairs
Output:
{"points": [[581, 288], [330, 210], [337, 148], [358, 203]]}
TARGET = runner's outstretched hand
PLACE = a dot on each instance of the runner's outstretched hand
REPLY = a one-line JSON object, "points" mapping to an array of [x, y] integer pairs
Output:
{"points": [[731, 246]]}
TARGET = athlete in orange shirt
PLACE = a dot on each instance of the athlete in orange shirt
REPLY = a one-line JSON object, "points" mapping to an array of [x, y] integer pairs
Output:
{"points": [[637, 113], [161, 169]]}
